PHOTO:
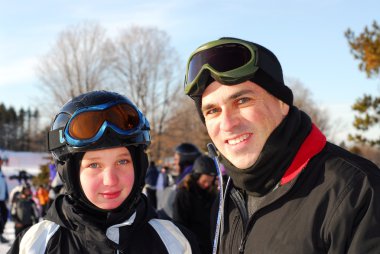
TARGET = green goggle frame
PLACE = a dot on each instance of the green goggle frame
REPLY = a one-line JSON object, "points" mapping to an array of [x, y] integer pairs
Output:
{"points": [[229, 61]]}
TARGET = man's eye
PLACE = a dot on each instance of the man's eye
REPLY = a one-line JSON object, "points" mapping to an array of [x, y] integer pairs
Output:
{"points": [[210, 111], [243, 100]]}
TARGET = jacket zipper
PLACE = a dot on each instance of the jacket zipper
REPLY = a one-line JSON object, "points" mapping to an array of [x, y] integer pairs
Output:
{"points": [[244, 239], [241, 205], [238, 199], [242, 245]]}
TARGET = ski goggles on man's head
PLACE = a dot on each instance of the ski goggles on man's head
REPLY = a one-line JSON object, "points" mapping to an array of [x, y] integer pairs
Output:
{"points": [[88, 125], [228, 60]]}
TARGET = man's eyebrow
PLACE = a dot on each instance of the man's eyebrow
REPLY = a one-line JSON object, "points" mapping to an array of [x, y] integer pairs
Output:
{"points": [[231, 97], [208, 106], [240, 93]]}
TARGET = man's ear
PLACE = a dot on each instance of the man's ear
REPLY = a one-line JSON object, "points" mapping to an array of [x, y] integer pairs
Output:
{"points": [[284, 108]]}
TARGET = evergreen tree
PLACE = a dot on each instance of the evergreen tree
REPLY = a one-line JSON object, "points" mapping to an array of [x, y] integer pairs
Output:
{"points": [[366, 48]]}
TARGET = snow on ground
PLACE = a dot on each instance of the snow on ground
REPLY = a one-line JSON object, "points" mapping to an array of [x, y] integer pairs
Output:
{"points": [[9, 233]]}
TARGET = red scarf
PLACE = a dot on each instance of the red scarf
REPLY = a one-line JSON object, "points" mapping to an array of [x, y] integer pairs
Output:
{"points": [[312, 145]]}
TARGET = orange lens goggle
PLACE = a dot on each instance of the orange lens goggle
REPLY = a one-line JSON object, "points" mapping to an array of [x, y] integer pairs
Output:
{"points": [[88, 125]]}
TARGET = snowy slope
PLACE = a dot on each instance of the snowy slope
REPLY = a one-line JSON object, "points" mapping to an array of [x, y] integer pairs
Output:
{"points": [[17, 161]]}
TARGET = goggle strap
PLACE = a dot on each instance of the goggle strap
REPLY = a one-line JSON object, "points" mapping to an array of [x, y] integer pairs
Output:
{"points": [[56, 139]]}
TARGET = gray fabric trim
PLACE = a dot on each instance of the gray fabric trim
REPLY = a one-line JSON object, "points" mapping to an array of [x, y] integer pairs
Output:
{"points": [[113, 233], [37, 237], [171, 236]]}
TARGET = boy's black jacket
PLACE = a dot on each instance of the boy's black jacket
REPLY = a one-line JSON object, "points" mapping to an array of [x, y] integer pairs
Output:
{"points": [[78, 234]]}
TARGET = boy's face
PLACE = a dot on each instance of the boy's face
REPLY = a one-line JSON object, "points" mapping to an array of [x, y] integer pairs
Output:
{"points": [[240, 118], [107, 176]]}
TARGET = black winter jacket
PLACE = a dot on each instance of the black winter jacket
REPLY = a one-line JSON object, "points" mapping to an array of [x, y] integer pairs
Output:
{"points": [[329, 204], [192, 208], [66, 231]]}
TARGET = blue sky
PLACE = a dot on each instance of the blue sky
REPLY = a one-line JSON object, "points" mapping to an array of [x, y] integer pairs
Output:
{"points": [[307, 36]]}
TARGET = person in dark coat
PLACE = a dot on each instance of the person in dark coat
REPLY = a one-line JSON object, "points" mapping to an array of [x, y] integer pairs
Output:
{"points": [[184, 157], [290, 190], [99, 141], [194, 199], [24, 210], [150, 183], [3, 203]]}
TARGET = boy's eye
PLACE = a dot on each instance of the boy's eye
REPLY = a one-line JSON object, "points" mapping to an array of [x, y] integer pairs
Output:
{"points": [[123, 162], [93, 165]]}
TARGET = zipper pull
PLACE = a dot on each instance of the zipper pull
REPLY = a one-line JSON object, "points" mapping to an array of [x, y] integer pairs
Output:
{"points": [[242, 245]]}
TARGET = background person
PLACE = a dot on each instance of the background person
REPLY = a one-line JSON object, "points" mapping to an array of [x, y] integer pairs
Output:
{"points": [[3, 203], [56, 188], [194, 199], [151, 182], [99, 141], [24, 210], [184, 157], [42, 194], [164, 179], [290, 190]]}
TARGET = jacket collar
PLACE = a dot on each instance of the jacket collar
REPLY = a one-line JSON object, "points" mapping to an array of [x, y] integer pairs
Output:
{"points": [[313, 144]]}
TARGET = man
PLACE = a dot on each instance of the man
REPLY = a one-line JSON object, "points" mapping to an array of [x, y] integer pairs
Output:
{"points": [[290, 190], [3, 205]]}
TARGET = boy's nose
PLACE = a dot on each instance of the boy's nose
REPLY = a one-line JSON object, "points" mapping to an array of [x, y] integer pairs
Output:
{"points": [[110, 177]]}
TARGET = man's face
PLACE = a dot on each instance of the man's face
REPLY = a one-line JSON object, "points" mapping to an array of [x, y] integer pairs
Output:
{"points": [[240, 118]]}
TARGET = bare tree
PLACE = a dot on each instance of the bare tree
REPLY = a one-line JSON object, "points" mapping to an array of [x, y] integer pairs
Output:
{"points": [[304, 101], [147, 68], [139, 62], [79, 62], [184, 125]]}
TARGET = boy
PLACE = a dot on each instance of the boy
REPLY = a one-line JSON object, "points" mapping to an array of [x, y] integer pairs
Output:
{"points": [[99, 141]]}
